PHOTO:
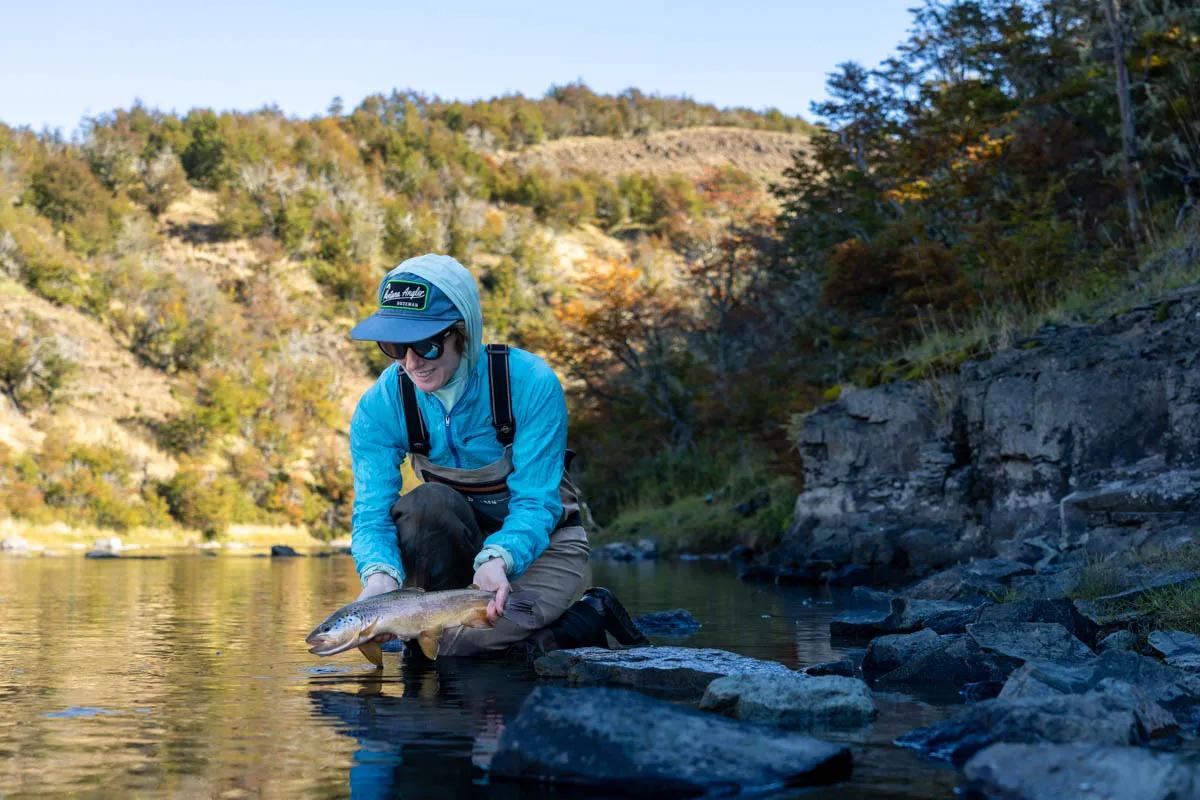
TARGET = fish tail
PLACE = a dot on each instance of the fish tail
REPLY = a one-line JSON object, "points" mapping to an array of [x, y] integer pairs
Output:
{"points": [[521, 609]]}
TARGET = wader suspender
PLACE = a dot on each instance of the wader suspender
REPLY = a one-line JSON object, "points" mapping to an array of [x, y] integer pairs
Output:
{"points": [[501, 396]]}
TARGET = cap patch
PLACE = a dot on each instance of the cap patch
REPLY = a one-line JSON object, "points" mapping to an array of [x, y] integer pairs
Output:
{"points": [[409, 295]]}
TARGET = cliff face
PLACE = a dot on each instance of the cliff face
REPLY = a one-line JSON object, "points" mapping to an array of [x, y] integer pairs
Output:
{"points": [[1078, 440]]}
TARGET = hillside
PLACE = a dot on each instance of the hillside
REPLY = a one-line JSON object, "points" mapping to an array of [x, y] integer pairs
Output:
{"points": [[207, 377], [692, 152]]}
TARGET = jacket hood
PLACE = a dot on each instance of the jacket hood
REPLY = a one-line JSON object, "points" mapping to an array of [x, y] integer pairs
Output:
{"points": [[457, 282]]}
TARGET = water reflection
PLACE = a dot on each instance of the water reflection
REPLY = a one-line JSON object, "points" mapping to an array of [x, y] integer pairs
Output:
{"points": [[189, 677]]}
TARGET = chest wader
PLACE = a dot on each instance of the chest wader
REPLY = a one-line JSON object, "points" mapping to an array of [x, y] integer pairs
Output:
{"points": [[484, 488]]}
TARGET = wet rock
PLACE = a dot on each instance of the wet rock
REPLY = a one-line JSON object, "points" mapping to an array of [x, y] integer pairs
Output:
{"points": [[794, 702], [953, 663], [1118, 641], [979, 578], [647, 549], [283, 551], [904, 616], [677, 622], [1021, 642], [1085, 771], [1173, 689], [886, 653], [678, 671], [1179, 649], [1060, 610], [101, 554], [1114, 713], [622, 742]]}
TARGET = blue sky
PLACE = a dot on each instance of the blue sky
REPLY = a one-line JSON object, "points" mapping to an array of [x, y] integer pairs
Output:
{"points": [[65, 60]]}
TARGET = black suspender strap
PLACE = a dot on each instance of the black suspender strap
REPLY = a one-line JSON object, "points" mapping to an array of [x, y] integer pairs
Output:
{"points": [[418, 434], [501, 394]]}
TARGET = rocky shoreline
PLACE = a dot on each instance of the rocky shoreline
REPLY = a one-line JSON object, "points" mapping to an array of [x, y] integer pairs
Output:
{"points": [[1050, 698]]}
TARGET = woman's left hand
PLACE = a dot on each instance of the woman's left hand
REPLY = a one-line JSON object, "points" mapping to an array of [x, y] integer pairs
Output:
{"points": [[491, 577]]}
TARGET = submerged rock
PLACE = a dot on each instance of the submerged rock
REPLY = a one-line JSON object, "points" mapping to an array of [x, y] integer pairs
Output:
{"points": [[677, 622], [1114, 713], [622, 742], [1085, 771], [681, 671], [795, 702]]}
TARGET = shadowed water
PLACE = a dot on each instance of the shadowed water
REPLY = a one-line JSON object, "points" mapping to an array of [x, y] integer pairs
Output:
{"points": [[189, 677]]}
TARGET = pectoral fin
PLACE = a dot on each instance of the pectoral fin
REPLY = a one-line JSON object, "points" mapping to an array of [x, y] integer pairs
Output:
{"points": [[429, 640], [373, 653]]}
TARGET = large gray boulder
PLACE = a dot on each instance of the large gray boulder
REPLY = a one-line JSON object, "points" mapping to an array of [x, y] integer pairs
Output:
{"points": [[1079, 772], [624, 743], [1114, 713], [676, 671], [795, 702]]}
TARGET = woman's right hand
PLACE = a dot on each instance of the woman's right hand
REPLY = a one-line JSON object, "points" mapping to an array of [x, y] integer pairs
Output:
{"points": [[379, 583]]}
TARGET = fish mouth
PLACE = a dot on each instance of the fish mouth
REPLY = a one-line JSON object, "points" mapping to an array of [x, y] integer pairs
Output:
{"points": [[321, 646]]}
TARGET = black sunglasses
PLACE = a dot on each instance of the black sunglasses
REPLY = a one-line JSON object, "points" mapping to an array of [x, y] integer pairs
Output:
{"points": [[430, 349]]}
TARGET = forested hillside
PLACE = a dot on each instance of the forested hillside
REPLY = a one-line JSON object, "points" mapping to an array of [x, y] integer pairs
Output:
{"points": [[1015, 161], [177, 290]]}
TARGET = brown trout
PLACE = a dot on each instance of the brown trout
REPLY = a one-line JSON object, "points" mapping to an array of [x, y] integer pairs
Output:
{"points": [[411, 614]]}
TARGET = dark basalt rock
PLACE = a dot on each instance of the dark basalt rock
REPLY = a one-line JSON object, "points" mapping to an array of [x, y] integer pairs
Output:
{"points": [[1029, 641], [1060, 610], [886, 653], [1173, 689], [955, 661], [904, 616], [1179, 649], [621, 743], [978, 579], [677, 622], [283, 551], [1062, 771], [1114, 713]]}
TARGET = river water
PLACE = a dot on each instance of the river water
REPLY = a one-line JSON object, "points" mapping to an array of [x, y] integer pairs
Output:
{"points": [[188, 676]]}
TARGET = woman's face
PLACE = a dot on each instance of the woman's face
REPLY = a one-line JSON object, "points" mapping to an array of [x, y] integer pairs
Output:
{"points": [[431, 375]]}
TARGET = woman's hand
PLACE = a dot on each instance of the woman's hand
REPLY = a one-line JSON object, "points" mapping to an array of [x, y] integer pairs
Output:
{"points": [[379, 583], [492, 577]]}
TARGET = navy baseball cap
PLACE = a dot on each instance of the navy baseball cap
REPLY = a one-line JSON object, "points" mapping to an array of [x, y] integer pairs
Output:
{"points": [[410, 309]]}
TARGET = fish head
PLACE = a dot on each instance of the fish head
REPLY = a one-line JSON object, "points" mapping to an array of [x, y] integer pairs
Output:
{"points": [[344, 629]]}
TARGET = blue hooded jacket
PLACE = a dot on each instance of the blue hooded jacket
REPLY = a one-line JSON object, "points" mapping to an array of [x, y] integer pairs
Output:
{"points": [[463, 438]]}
